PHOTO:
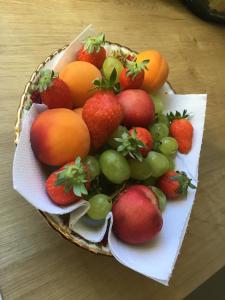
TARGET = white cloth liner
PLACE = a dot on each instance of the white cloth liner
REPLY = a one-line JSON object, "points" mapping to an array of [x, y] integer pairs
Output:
{"points": [[155, 259]]}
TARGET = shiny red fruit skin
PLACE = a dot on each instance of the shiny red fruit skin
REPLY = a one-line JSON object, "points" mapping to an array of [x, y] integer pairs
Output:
{"points": [[102, 114], [57, 193], [57, 95], [182, 131], [169, 186], [144, 136], [138, 108], [136, 218], [128, 82], [94, 58]]}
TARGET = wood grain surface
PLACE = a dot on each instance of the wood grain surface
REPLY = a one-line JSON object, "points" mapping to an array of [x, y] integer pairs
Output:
{"points": [[35, 263]]}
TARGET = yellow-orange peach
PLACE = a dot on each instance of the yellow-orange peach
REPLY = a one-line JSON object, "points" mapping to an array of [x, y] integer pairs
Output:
{"points": [[58, 136], [157, 70]]}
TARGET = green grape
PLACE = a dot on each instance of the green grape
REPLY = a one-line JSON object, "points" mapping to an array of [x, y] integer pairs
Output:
{"points": [[91, 222], [161, 118], [114, 166], [159, 131], [100, 206], [93, 166], [157, 103], [161, 197], [156, 145], [109, 64], [168, 146], [158, 163], [116, 134], [139, 170], [171, 163]]}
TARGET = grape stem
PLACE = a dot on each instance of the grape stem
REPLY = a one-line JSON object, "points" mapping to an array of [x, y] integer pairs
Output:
{"points": [[117, 192]]}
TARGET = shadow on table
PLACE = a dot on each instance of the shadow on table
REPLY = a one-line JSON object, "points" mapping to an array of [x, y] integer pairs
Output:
{"points": [[213, 288]]}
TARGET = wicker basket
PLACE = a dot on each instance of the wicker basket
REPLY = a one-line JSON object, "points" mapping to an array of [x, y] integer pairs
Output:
{"points": [[57, 222]]}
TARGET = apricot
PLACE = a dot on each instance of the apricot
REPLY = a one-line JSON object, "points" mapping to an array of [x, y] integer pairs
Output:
{"points": [[58, 136], [79, 76], [157, 72]]}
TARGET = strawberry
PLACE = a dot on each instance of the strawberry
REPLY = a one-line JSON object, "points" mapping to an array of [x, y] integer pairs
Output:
{"points": [[174, 184], [93, 51], [53, 91], [132, 75], [182, 130], [131, 57], [102, 114], [36, 97], [145, 137], [66, 185], [137, 143]]}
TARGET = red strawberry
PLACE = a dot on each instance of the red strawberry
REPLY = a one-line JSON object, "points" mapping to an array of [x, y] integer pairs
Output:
{"points": [[145, 137], [102, 113], [174, 184], [93, 50], [136, 143], [36, 97], [131, 57], [53, 91], [66, 185], [132, 75], [182, 130]]}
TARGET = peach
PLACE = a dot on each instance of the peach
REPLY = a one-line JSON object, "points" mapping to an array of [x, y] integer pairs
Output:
{"points": [[58, 136], [157, 70], [79, 76]]}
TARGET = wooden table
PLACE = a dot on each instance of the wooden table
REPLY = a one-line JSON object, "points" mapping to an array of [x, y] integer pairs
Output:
{"points": [[35, 263]]}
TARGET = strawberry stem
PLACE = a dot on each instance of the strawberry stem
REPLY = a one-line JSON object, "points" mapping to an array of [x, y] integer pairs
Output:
{"points": [[130, 144], [46, 79], [104, 84], [134, 68], [184, 182], [73, 176], [92, 44], [177, 116]]}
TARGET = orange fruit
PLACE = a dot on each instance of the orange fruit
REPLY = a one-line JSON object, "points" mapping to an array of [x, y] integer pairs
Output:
{"points": [[79, 76], [157, 72], [58, 136]]}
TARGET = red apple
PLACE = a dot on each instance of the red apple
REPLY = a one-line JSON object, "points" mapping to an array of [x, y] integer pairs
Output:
{"points": [[138, 108], [136, 216]]}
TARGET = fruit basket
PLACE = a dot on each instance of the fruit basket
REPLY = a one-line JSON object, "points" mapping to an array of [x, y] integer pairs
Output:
{"points": [[65, 219]]}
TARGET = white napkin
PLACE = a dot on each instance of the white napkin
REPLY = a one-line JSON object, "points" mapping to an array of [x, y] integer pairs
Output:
{"points": [[155, 259], [91, 233]]}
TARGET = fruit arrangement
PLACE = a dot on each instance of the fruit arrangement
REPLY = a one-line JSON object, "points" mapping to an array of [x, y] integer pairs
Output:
{"points": [[106, 139]]}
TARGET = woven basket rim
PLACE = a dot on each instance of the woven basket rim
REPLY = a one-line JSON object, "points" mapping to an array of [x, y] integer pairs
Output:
{"points": [[62, 230]]}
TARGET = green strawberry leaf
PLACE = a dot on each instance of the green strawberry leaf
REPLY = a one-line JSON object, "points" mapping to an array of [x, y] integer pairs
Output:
{"points": [[113, 77], [79, 190], [46, 79], [177, 116], [130, 144], [134, 68], [95, 43], [184, 182], [73, 176]]}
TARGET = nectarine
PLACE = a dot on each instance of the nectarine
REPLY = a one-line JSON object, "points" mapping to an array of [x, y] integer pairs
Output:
{"points": [[58, 136]]}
